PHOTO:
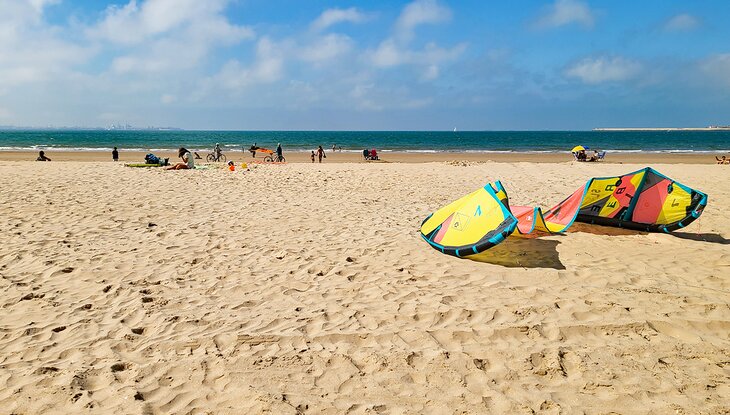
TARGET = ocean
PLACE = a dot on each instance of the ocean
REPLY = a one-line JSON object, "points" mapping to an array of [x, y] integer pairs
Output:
{"points": [[407, 141]]}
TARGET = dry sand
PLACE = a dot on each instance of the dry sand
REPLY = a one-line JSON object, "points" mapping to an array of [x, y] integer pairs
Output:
{"points": [[386, 157], [306, 288]]}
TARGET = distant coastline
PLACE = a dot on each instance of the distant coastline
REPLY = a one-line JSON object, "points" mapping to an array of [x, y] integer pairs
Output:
{"points": [[710, 128], [112, 127]]}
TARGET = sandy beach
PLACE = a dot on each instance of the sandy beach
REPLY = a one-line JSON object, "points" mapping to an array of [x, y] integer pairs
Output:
{"points": [[391, 157], [306, 289]]}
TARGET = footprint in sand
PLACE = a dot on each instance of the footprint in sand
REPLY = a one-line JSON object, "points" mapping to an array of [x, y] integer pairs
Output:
{"points": [[46, 370], [118, 367], [481, 364]]}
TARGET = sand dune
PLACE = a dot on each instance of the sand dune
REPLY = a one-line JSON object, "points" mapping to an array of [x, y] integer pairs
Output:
{"points": [[307, 289]]}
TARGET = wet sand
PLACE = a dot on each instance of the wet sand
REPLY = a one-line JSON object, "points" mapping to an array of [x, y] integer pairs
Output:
{"points": [[393, 157]]}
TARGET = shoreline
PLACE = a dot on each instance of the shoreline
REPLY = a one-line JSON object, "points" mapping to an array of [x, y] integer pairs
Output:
{"points": [[392, 157]]}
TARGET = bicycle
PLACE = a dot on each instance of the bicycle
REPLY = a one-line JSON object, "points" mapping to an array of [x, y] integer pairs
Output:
{"points": [[212, 158], [274, 158]]}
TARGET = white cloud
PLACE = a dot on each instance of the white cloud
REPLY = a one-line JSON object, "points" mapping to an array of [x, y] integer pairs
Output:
{"points": [[168, 98], [565, 12], [136, 23], [717, 68], [332, 17], [267, 68], [431, 73], [30, 50], [395, 51], [681, 23], [603, 69], [160, 35], [39, 5], [418, 13], [326, 48], [389, 54]]}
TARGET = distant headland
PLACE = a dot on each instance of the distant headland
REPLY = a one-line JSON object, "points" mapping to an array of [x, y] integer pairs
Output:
{"points": [[111, 127], [710, 128]]}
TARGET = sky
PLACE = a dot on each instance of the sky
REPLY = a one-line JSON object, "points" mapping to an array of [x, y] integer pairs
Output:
{"points": [[365, 65]]}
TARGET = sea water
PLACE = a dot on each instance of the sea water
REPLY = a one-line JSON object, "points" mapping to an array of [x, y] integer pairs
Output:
{"points": [[408, 141]]}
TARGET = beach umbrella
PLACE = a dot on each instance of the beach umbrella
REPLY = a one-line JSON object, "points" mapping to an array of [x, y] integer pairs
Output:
{"points": [[578, 148]]}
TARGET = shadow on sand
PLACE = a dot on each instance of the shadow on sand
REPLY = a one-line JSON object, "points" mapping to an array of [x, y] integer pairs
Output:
{"points": [[516, 252], [535, 252], [611, 231]]}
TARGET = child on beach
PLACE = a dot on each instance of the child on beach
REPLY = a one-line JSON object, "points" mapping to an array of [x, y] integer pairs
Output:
{"points": [[42, 156], [115, 154], [312, 156], [187, 159], [320, 153]]}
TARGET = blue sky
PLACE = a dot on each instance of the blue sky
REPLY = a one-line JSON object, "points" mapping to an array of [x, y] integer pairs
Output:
{"points": [[365, 65]]}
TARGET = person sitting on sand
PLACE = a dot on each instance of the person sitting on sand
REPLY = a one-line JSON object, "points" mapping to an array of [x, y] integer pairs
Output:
{"points": [[187, 159], [115, 154], [42, 156], [581, 156]]}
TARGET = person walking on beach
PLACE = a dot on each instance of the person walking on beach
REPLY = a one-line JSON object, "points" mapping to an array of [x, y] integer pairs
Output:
{"points": [[320, 153], [115, 154], [187, 159], [279, 152], [313, 156], [42, 156]]}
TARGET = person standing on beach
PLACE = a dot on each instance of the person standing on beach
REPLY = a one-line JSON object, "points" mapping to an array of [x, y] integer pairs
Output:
{"points": [[320, 153], [334, 147], [115, 154], [723, 157], [279, 152], [253, 149]]}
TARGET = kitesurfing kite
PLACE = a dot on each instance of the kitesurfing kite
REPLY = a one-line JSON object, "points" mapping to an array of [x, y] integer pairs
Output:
{"points": [[643, 200]]}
